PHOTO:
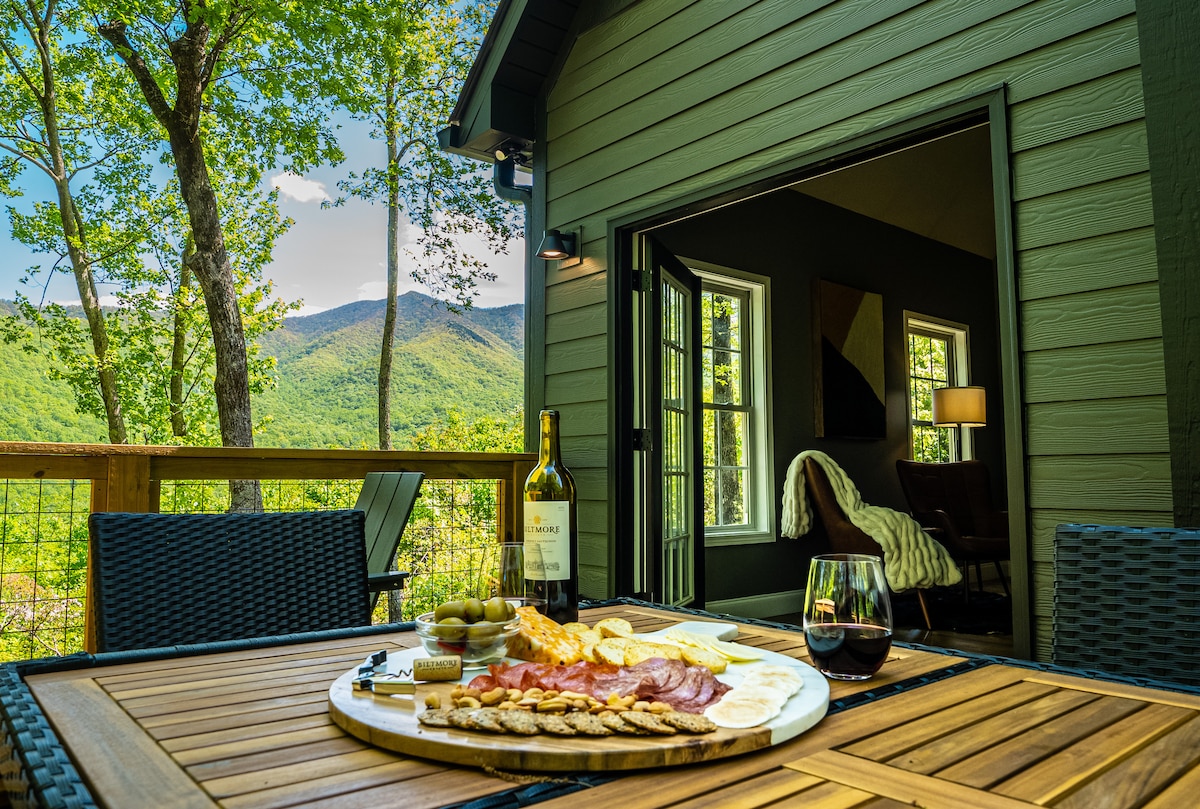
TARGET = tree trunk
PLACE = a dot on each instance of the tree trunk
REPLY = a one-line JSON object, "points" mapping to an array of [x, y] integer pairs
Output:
{"points": [[73, 233], [386, 351], [179, 344], [210, 262]]}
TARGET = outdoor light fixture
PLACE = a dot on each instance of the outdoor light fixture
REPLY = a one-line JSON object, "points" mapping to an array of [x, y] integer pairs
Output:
{"points": [[507, 150], [556, 245]]}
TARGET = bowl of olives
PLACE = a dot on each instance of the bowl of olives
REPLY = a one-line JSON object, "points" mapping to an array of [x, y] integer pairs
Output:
{"points": [[476, 630]]}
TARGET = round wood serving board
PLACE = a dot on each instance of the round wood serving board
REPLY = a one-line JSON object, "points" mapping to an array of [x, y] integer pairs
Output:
{"points": [[391, 722]]}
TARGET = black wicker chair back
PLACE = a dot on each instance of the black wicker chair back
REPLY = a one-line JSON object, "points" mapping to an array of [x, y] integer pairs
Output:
{"points": [[175, 579], [1127, 601]]}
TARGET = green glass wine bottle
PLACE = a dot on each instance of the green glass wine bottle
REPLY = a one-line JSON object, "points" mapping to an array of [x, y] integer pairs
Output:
{"points": [[551, 530]]}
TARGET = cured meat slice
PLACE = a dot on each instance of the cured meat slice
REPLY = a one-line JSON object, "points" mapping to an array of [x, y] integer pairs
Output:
{"points": [[685, 688]]}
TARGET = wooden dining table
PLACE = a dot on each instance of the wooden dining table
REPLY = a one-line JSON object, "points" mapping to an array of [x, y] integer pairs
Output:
{"points": [[249, 725]]}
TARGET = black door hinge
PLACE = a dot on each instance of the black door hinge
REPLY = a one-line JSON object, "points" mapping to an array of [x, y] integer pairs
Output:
{"points": [[643, 281], [643, 440]]}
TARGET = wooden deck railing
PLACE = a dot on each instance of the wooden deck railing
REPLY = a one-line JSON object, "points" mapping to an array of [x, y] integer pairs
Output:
{"points": [[127, 477], [131, 478]]}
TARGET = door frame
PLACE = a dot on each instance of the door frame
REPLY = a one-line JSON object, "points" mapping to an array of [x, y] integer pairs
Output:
{"points": [[989, 106]]}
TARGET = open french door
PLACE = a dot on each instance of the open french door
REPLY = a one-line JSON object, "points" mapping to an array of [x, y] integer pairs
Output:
{"points": [[668, 472]]}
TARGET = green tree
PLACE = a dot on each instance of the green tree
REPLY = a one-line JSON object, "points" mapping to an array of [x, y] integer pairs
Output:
{"points": [[400, 66], [145, 365], [253, 75], [58, 120]]}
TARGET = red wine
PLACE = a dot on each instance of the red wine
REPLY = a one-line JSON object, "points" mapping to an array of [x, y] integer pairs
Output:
{"points": [[551, 530], [850, 651]]}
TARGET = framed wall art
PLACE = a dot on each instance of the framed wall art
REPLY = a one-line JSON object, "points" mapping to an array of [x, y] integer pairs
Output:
{"points": [[848, 362]]}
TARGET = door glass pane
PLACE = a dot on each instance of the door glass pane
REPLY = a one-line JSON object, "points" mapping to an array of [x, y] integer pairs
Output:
{"points": [[676, 456]]}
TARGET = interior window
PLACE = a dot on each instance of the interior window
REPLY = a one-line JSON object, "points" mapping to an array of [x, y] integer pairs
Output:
{"points": [[937, 352], [735, 397]]}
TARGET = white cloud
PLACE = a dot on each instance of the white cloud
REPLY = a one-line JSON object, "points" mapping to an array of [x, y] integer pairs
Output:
{"points": [[300, 188], [373, 291]]}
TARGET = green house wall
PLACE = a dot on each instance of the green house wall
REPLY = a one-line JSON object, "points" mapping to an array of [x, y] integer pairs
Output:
{"points": [[665, 99]]}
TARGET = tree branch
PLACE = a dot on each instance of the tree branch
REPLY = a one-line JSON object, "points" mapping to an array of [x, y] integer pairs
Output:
{"points": [[114, 32]]}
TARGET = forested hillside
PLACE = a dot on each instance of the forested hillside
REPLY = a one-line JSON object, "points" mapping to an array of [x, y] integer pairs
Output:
{"points": [[326, 377]]}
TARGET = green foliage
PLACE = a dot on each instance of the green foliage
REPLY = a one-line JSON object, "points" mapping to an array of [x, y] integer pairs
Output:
{"points": [[400, 67], [468, 364]]}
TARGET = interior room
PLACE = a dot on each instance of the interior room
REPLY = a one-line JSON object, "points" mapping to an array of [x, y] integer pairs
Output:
{"points": [[916, 227]]}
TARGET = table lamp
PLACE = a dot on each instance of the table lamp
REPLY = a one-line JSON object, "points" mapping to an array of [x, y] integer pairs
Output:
{"points": [[960, 407]]}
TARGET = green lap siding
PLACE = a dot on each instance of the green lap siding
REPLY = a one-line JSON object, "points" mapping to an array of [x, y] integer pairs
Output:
{"points": [[666, 98]]}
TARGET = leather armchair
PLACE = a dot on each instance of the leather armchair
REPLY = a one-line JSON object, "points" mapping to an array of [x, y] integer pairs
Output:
{"points": [[954, 502], [844, 536]]}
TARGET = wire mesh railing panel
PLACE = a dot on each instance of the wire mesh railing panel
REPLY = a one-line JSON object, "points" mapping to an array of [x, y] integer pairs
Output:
{"points": [[43, 567], [449, 547]]}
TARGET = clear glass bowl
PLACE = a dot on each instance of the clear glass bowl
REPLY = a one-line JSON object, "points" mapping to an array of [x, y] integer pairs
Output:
{"points": [[478, 644]]}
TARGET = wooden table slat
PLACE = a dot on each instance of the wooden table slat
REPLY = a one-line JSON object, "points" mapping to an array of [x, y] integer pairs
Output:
{"points": [[1154, 768], [912, 788], [1006, 759], [1093, 754]]}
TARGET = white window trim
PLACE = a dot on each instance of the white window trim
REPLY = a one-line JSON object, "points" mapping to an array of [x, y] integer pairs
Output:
{"points": [[960, 335], [758, 367]]}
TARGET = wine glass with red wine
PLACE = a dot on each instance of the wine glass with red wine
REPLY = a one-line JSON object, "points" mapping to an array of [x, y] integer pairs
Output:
{"points": [[847, 615]]}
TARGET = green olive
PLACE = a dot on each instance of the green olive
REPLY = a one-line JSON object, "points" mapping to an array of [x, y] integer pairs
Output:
{"points": [[451, 628], [451, 609], [483, 631], [496, 610], [473, 609]]}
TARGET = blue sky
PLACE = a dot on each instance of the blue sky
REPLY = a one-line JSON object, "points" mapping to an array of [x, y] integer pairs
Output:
{"points": [[329, 258]]}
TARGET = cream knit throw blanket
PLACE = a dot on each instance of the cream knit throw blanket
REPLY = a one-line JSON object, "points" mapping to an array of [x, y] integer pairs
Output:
{"points": [[911, 558]]}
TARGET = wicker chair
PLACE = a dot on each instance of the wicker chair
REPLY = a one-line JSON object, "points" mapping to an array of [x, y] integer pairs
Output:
{"points": [[175, 579], [1126, 601]]}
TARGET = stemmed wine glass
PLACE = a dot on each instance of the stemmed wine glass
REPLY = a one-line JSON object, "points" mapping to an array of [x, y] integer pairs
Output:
{"points": [[847, 615]]}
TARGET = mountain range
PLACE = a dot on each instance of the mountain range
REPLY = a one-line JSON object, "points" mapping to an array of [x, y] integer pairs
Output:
{"points": [[327, 367]]}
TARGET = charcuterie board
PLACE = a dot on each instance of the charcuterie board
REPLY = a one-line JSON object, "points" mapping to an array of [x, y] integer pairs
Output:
{"points": [[390, 722]]}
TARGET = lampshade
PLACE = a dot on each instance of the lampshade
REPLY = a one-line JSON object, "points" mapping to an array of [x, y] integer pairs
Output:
{"points": [[959, 407], [556, 245]]}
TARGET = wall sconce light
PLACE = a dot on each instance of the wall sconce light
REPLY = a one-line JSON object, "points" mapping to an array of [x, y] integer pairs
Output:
{"points": [[556, 245], [510, 150], [960, 407]]}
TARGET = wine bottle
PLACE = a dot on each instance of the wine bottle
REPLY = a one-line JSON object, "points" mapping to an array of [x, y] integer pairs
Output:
{"points": [[551, 530]]}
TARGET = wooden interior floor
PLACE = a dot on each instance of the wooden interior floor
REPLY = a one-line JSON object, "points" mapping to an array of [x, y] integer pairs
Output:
{"points": [[914, 631]]}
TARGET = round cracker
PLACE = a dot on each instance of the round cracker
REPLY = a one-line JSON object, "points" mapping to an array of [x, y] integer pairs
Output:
{"points": [[739, 713]]}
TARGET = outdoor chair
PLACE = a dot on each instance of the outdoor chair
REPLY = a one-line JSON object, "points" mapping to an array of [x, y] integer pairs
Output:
{"points": [[954, 501], [844, 536], [175, 579], [1126, 601], [387, 500]]}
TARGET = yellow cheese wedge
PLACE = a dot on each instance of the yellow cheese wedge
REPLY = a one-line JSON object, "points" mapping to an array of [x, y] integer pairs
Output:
{"points": [[541, 640]]}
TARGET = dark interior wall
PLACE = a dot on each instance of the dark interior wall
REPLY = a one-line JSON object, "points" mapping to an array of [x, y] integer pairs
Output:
{"points": [[794, 239]]}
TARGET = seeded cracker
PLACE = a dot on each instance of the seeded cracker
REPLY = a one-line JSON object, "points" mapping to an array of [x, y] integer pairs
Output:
{"points": [[648, 721], [461, 718], [689, 722], [435, 718], [587, 724], [488, 719], [522, 722], [613, 721], [554, 723]]}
